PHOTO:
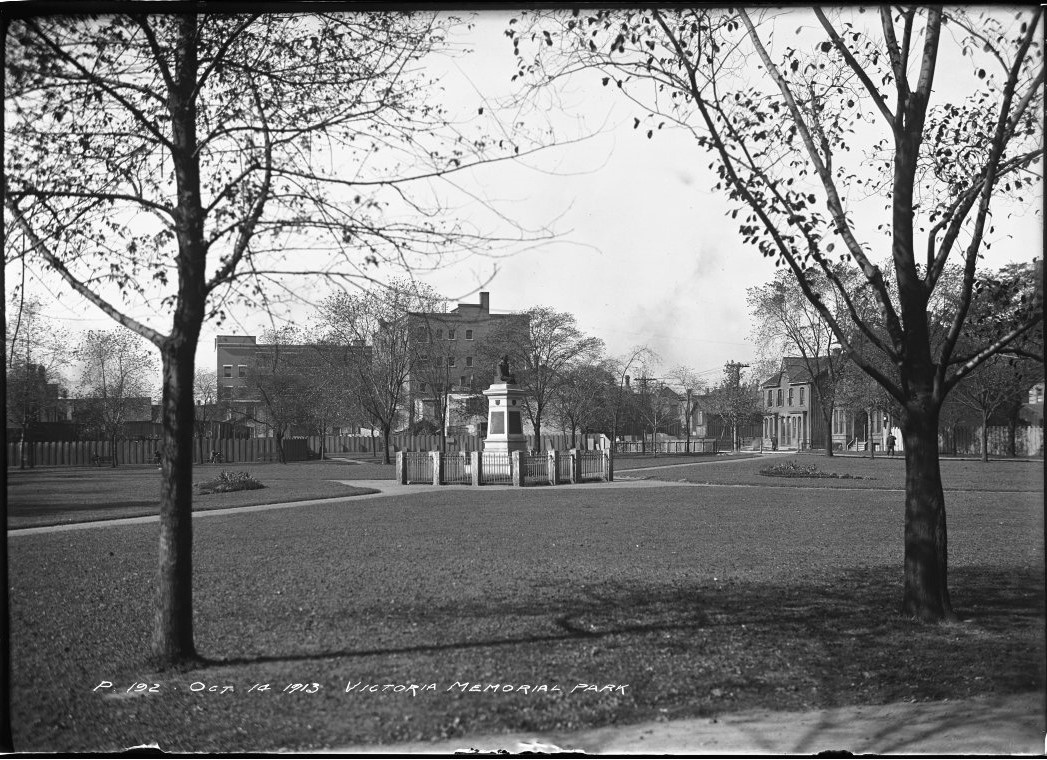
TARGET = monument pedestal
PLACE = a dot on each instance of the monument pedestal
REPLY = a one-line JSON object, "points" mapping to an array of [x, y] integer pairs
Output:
{"points": [[505, 419]]}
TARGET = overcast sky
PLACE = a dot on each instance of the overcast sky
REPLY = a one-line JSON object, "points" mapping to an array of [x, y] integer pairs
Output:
{"points": [[645, 252]]}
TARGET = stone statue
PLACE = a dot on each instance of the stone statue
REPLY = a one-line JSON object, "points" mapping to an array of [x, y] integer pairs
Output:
{"points": [[502, 373]]}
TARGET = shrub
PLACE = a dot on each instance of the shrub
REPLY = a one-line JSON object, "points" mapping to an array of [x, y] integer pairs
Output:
{"points": [[226, 482]]}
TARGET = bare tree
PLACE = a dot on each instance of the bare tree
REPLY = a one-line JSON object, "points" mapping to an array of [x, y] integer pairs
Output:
{"points": [[209, 156], [785, 321], [115, 382], [734, 400], [207, 410], [378, 320], [692, 386], [581, 401], [782, 127], [621, 392], [541, 348], [36, 353]]}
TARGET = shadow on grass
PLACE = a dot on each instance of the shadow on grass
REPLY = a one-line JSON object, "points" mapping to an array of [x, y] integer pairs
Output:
{"points": [[835, 642]]}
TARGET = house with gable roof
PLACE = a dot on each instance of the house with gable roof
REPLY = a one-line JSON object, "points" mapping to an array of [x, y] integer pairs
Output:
{"points": [[792, 417]]}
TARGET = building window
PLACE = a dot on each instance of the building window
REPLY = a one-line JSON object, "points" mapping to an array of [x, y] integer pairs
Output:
{"points": [[451, 361], [242, 370], [450, 335], [439, 333], [790, 397], [770, 398], [422, 335], [839, 422], [779, 397], [468, 361], [227, 370], [462, 380], [468, 334], [801, 396]]}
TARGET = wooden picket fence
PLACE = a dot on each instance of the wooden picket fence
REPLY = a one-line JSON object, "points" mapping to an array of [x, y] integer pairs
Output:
{"points": [[83, 453], [967, 440]]}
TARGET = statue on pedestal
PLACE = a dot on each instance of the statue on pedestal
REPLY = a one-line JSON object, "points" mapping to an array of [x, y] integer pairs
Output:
{"points": [[502, 373]]}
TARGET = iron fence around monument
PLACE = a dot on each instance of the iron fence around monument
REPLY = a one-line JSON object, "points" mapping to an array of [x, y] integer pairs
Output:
{"points": [[418, 466], [565, 467], [456, 468], [534, 469], [591, 465], [497, 468]]}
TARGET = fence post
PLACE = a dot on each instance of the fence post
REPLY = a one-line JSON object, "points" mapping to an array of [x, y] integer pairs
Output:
{"points": [[576, 465], [515, 468], [401, 469], [476, 461], [438, 468], [553, 467], [608, 466]]}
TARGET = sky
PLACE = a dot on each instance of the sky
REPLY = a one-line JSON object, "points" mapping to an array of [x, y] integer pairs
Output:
{"points": [[644, 252]]}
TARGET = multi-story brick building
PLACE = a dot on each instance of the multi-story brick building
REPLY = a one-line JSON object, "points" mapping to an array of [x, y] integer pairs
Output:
{"points": [[453, 363], [240, 359]]}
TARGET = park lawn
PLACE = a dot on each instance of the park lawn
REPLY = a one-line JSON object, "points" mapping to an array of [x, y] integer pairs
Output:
{"points": [[999, 475], [703, 600], [56, 495]]}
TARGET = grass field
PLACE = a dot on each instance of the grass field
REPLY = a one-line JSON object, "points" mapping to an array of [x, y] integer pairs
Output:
{"points": [[52, 495], [701, 599]]}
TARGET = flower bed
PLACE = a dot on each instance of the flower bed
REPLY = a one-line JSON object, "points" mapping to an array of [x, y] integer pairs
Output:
{"points": [[793, 469], [227, 482]]}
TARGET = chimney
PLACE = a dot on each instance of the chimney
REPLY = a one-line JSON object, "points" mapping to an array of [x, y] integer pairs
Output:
{"points": [[485, 302]]}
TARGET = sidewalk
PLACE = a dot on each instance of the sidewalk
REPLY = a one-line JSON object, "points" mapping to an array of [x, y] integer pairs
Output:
{"points": [[385, 489], [1011, 725]]}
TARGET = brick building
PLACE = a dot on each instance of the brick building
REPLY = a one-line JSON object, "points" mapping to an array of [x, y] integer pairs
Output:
{"points": [[239, 359], [453, 352]]}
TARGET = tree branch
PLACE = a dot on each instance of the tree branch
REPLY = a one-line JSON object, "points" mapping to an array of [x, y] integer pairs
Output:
{"points": [[153, 336], [841, 46]]}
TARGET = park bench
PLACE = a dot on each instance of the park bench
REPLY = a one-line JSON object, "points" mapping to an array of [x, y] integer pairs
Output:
{"points": [[100, 459]]}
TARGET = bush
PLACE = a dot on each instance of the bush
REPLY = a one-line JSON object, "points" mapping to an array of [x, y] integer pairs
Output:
{"points": [[793, 469], [227, 482]]}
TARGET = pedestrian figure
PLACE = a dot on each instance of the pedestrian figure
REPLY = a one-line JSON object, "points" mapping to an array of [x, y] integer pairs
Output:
{"points": [[216, 456], [156, 458], [890, 444]]}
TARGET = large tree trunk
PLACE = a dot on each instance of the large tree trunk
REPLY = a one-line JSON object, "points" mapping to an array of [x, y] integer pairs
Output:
{"points": [[926, 556], [386, 430], [173, 624], [173, 628]]}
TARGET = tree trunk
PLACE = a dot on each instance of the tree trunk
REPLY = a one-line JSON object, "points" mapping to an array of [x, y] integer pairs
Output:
{"points": [[173, 628], [926, 594], [1012, 432], [173, 625], [386, 431], [279, 434], [827, 417], [985, 435]]}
